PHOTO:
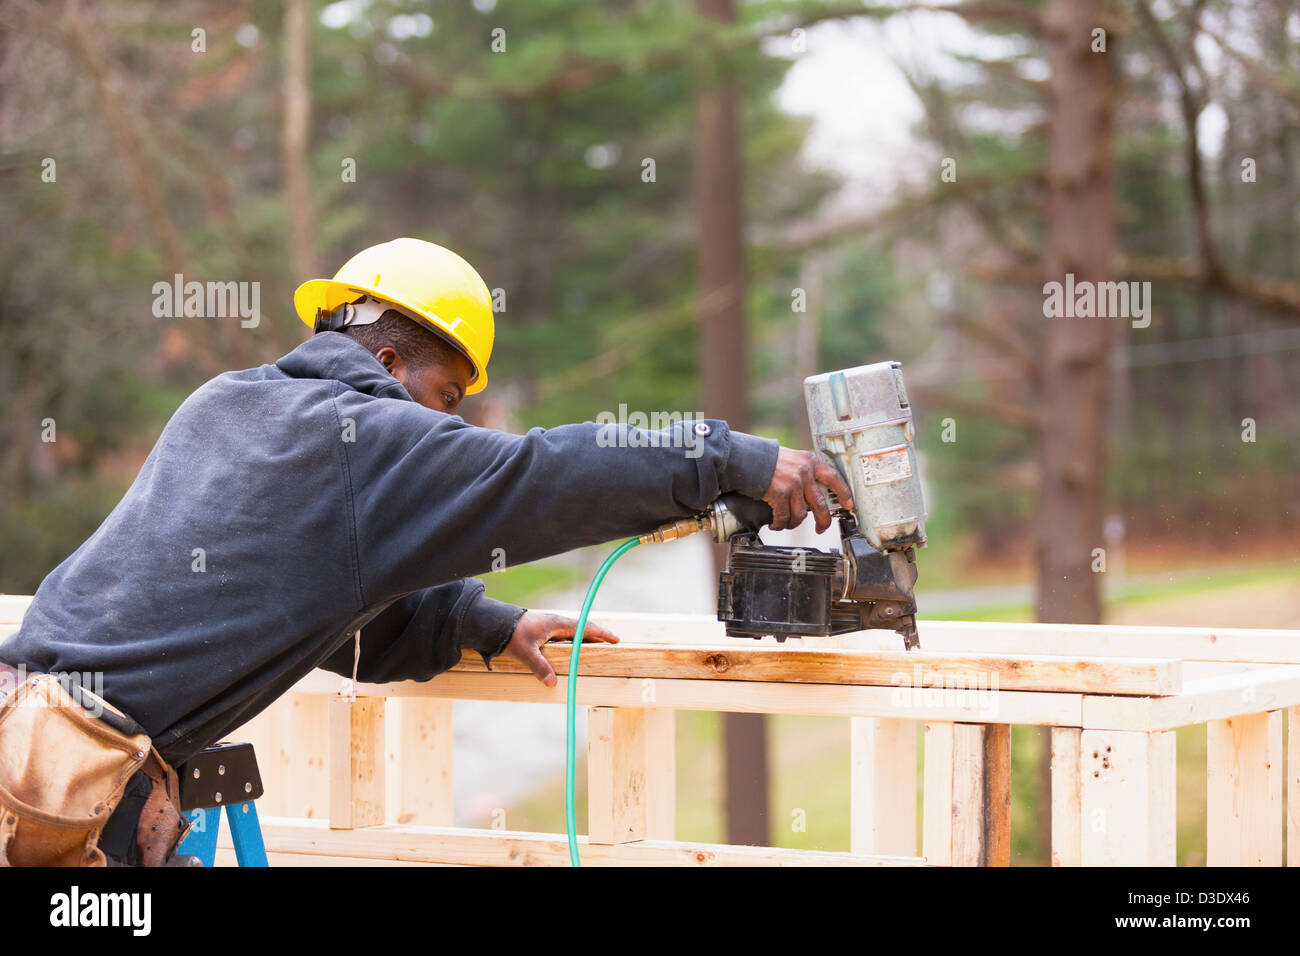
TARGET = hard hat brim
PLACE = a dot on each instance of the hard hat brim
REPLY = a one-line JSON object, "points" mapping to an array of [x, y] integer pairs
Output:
{"points": [[329, 294]]}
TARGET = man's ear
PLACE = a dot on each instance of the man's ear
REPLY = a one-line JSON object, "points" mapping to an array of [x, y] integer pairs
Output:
{"points": [[389, 358]]}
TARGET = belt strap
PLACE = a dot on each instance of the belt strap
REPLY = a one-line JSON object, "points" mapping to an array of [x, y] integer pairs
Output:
{"points": [[118, 838]]}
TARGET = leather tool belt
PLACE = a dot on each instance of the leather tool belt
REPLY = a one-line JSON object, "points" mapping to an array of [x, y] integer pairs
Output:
{"points": [[67, 758]]}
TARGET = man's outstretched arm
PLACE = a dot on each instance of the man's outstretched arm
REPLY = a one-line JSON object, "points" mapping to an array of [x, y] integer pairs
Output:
{"points": [[438, 499], [424, 634]]}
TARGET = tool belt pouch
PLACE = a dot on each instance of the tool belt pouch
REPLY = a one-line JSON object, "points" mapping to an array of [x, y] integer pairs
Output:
{"points": [[62, 772]]}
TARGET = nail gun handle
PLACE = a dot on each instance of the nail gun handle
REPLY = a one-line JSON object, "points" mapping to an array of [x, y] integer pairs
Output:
{"points": [[740, 514]]}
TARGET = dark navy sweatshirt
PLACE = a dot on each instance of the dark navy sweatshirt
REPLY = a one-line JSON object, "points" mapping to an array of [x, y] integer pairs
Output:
{"points": [[287, 506]]}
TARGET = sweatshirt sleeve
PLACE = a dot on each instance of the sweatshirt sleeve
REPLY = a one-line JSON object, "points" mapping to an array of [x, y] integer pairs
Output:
{"points": [[437, 499], [423, 634]]}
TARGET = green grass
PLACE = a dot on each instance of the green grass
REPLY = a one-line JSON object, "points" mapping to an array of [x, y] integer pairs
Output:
{"points": [[1185, 584], [1001, 612], [520, 584]]}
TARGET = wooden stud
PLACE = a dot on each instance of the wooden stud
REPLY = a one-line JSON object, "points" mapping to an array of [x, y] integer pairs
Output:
{"points": [[631, 774], [1293, 786], [981, 791], [423, 755], [299, 750], [1244, 791], [967, 802], [1127, 798], [882, 780], [1067, 812], [936, 803], [616, 775], [661, 773], [356, 761], [393, 710]]}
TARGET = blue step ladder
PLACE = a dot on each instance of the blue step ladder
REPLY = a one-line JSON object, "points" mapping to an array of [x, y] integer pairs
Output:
{"points": [[224, 776]]}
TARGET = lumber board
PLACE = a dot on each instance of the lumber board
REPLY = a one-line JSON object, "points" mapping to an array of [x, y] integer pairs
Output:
{"points": [[420, 762], [967, 801], [877, 668], [1067, 813], [1202, 699], [1127, 798], [752, 697], [1243, 809], [981, 795], [226, 857], [356, 762], [661, 773], [1245, 644], [13, 607], [617, 777], [936, 800], [478, 847], [1293, 786], [882, 785]]}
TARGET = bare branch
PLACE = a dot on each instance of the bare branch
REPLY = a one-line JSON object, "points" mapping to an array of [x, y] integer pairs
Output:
{"points": [[1029, 364], [146, 174], [1191, 101], [1257, 72], [1009, 413], [721, 40], [1278, 295]]}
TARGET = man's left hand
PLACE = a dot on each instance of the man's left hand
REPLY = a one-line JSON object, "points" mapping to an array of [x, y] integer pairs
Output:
{"points": [[535, 628]]}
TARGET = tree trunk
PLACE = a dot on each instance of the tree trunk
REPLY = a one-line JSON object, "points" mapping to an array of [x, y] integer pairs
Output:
{"points": [[1081, 238], [723, 357], [1080, 241], [297, 130]]}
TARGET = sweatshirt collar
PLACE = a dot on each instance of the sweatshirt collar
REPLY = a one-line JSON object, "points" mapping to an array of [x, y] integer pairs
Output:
{"points": [[332, 355]]}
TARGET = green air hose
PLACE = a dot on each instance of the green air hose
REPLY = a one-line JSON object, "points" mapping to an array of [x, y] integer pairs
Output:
{"points": [[570, 731]]}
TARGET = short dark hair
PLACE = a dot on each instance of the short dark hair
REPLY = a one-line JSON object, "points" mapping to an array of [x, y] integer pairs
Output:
{"points": [[412, 341]]}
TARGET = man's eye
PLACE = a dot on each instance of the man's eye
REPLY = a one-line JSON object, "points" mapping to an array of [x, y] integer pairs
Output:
{"points": [[449, 398]]}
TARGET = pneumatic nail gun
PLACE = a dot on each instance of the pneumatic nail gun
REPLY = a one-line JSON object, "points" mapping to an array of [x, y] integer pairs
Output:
{"points": [[861, 422]]}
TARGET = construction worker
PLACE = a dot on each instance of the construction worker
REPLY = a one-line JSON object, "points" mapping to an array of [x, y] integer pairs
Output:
{"points": [[327, 511]]}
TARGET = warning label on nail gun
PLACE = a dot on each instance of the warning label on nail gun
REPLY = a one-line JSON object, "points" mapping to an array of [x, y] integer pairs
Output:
{"points": [[882, 466]]}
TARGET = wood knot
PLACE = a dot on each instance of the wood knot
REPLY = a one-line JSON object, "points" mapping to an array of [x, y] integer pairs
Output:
{"points": [[718, 663]]}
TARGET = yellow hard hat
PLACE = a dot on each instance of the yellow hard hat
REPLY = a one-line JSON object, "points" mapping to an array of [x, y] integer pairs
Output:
{"points": [[428, 283]]}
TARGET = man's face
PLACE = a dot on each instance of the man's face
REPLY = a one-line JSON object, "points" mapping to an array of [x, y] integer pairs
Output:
{"points": [[440, 387]]}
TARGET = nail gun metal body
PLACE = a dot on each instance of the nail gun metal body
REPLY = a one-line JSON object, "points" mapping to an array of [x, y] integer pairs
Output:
{"points": [[861, 422]]}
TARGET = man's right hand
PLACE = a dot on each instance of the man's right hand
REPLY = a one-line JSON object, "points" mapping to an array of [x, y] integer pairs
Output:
{"points": [[796, 489]]}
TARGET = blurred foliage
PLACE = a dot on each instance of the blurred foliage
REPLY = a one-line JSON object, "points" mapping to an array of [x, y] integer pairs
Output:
{"points": [[530, 162], [543, 190], [1178, 467]]}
